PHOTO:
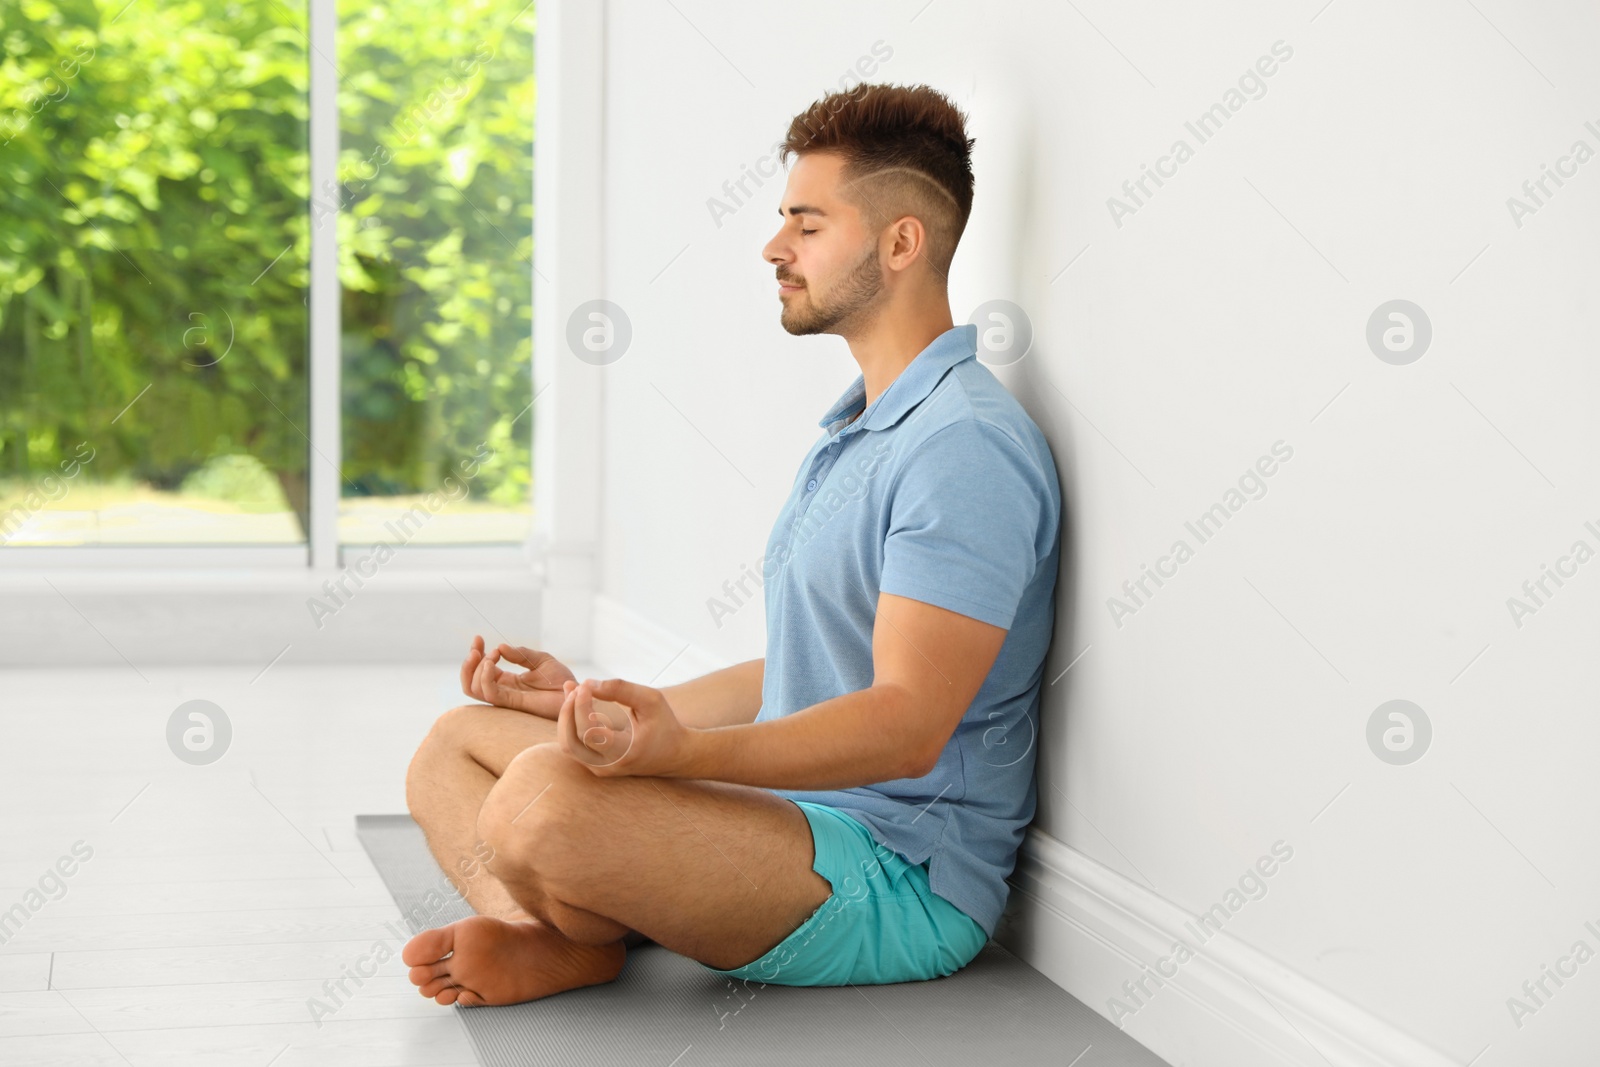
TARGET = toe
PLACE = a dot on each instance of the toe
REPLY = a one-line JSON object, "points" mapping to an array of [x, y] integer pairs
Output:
{"points": [[428, 972], [438, 985], [430, 946]]}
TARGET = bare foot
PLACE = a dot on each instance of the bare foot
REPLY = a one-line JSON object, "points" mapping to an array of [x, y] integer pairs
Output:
{"points": [[481, 960]]}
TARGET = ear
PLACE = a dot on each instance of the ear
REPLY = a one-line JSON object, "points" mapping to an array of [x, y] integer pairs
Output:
{"points": [[907, 242]]}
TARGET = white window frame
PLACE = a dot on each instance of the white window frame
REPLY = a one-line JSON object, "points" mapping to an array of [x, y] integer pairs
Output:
{"points": [[558, 557]]}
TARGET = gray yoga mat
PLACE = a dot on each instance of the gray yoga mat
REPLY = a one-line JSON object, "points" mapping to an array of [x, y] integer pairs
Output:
{"points": [[666, 1010]]}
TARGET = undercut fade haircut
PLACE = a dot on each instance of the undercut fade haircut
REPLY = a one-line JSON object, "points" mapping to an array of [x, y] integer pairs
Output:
{"points": [[905, 151]]}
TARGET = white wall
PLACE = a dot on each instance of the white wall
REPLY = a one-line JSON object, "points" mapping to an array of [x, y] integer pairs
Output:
{"points": [[1226, 314]]}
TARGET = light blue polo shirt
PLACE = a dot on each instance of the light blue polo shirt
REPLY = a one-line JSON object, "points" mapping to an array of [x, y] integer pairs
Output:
{"points": [[943, 491]]}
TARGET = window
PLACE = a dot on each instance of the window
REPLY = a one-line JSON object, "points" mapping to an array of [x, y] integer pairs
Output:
{"points": [[158, 216], [436, 246]]}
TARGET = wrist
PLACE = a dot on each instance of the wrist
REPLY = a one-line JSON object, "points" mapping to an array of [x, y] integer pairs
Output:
{"points": [[696, 753]]}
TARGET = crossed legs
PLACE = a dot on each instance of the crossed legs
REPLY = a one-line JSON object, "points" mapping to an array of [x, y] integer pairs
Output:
{"points": [[458, 763], [562, 866]]}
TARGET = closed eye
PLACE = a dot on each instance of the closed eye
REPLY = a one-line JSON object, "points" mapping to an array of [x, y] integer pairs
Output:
{"points": [[807, 233]]}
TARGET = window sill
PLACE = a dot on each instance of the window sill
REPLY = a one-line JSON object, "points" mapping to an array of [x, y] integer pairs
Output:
{"points": [[261, 615]]}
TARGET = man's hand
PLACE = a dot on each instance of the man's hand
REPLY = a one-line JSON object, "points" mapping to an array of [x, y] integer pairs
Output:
{"points": [[651, 742], [537, 690]]}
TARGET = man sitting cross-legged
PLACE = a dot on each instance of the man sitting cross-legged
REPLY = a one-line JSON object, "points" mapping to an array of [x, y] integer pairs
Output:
{"points": [[678, 858], [846, 809]]}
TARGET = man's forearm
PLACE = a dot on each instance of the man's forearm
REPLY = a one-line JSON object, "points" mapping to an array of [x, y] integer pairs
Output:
{"points": [[855, 739], [727, 697]]}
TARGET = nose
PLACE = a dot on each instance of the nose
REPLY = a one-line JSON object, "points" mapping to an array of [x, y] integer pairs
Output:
{"points": [[774, 252]]}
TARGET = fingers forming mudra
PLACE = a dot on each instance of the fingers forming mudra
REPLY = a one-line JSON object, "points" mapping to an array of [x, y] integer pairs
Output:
{"points": [[605, 733], [536, 689]]}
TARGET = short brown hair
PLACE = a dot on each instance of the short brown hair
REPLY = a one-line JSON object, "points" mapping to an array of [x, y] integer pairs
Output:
{"points": [[905, 151]]}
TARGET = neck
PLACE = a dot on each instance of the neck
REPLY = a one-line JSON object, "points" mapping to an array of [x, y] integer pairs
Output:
{"points": [[886, 346]]}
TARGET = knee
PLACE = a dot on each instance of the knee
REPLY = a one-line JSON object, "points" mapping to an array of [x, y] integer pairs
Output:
{"points": [[445, 740], [526, 820]]}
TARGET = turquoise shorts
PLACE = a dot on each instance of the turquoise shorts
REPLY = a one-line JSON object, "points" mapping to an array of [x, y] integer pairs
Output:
{"points": [[880, 924]]}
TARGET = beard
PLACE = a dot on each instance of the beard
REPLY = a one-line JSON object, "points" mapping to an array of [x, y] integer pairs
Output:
{"points": [[853, 295]]}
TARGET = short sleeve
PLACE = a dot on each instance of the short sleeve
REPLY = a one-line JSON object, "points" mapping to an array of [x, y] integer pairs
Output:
{"points": [[967, 518]]}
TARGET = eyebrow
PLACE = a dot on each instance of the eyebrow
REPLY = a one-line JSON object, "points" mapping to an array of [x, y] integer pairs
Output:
{"points": [[803, 209]]}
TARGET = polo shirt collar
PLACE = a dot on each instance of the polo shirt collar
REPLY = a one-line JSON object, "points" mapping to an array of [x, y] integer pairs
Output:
{"points": [[909, 389]]}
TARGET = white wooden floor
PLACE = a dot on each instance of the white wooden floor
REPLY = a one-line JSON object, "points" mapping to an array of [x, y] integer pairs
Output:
{"points": [[217, 900]]}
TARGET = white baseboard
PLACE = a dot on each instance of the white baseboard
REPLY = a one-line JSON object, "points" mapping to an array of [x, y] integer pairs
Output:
{"points": [[630, 646], [1089, 929]]}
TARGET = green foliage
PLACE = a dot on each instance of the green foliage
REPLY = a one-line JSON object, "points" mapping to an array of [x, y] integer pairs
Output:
{"points": [[156, 213], [237, 479]]}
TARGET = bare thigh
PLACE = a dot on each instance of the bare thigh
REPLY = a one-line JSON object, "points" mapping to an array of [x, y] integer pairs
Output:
{"points": [[715, 871], [492, 736]]}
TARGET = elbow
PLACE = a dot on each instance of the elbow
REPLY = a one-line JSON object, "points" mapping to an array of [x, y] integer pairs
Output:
{"points": [[920, 766]]}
